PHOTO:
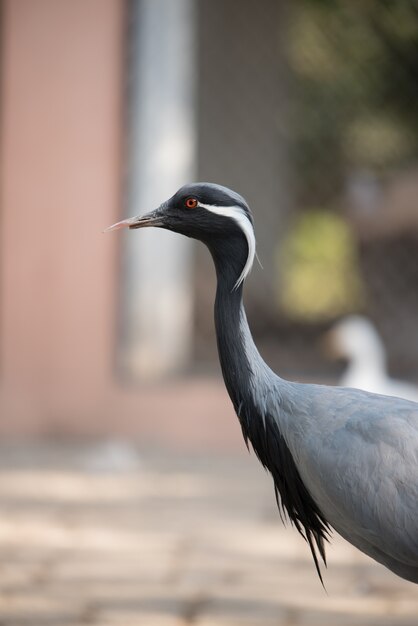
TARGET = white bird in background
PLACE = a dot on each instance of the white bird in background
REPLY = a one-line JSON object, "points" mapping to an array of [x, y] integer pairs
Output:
{"points": [[357, 340]]}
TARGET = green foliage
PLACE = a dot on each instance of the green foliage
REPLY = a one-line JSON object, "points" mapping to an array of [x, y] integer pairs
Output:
{"points": [[373, 141], [318, 268], [354, 88], [353, 73]]}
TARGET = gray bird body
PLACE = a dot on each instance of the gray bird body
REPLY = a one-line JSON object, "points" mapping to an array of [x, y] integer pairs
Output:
{"points": [[340, 458], [356, 452], [359, 473]]}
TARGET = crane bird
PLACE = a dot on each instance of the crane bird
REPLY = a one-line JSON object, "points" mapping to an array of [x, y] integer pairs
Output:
{"points": [[357, 340], [340, 459]]}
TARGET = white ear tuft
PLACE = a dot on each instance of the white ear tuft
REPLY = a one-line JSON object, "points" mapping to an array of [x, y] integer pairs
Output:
{"points": [[240, 217]]}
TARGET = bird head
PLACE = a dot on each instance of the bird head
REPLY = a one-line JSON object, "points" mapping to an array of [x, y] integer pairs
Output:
{"points": [[355, 338], [210, 213]]}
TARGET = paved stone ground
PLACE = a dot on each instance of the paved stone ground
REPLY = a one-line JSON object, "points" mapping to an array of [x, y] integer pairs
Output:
{"points": [[105, 535]]}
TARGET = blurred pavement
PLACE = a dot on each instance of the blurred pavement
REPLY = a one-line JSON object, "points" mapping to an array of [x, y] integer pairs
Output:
{"points": [[106, 534]]}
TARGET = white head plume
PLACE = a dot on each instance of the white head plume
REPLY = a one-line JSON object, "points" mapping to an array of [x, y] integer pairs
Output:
{"points": [[240, 217]]}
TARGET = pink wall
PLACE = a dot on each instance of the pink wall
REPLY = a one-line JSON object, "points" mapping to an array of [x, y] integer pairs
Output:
{"points": [[62, 79], [59, 186]]}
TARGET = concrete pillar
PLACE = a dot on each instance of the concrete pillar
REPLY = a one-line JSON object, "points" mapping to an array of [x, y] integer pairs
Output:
{"points": [[156, 328], [243, 115]]}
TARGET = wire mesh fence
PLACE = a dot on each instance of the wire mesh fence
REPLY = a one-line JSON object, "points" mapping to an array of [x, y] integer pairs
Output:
{"points": [[309, 110]]}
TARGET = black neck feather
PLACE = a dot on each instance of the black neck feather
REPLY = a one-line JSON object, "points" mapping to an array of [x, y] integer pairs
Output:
{"points": [[249, 380]]}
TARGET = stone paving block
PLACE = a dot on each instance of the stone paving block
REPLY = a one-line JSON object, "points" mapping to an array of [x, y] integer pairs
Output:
{"points": [[18, 575], [151, 566], [36, 609], [241, 611], [221, 620], [125, 618]]}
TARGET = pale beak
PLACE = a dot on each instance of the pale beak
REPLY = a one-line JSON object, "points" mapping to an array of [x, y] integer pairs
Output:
{"points": [[141, 221]]}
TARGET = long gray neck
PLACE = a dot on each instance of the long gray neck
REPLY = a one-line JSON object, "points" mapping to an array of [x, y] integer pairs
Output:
{"points": [[234, 343], [252, 386], [241, 363]]}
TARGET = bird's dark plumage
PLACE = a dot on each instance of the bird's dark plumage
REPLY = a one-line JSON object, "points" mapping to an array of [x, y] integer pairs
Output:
{"points": [[340, 458]]}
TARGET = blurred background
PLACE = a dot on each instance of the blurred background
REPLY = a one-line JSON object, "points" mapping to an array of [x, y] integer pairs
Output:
{"points": [[125, 494]]}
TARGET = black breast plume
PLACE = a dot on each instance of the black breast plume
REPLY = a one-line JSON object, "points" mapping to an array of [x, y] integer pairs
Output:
{"points": [[293, 499]]}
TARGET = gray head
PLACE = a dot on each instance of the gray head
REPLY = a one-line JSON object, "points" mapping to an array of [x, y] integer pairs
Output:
{"points": [[216, 215]]}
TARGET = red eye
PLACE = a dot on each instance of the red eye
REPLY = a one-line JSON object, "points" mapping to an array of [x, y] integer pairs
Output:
{"points": [[190, 203]]}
